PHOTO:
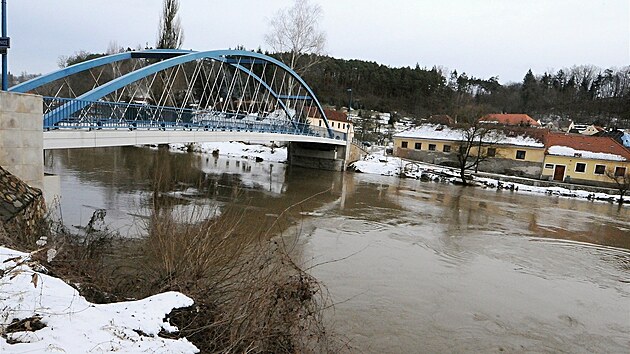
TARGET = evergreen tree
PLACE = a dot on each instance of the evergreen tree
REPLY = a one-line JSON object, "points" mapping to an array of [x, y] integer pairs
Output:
{"points": [[529, 91]]}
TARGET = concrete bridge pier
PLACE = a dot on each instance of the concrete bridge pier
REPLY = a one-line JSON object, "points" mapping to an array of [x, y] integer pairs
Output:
{"points": [[318, 156], [21, 137], [22, 142]]}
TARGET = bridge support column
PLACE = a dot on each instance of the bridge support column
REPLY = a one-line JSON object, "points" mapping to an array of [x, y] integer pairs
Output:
{"points": [[21, 137], [317, 156]]}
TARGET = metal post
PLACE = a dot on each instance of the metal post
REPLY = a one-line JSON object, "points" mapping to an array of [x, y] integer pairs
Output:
{"points": [[5, 63]]}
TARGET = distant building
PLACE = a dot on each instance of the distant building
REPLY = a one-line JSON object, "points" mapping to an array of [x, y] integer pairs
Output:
{"points": [[522, 120], [622, 137], [338, 121], [592, 130], [577, 128], [511, 153], [584, 159], [518, 151]]}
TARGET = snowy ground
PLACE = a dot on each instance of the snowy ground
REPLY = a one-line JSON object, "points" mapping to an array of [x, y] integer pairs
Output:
{"points": [[40, 313], [380, 163], [237, 149]]}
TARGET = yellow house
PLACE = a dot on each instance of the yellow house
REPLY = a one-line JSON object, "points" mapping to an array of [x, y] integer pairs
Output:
{"points": [[511, 154], [338, 122], [584, 159]]}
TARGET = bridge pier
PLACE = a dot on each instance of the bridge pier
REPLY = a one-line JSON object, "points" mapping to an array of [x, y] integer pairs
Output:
{"points": [[317, 156], [22, 142], [21, 137]]}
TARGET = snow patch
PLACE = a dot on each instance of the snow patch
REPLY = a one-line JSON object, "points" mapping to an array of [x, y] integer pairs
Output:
{"points": [[237, 149], [73, 324]]}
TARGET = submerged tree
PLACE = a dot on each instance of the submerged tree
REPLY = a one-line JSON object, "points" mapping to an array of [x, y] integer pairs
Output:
{"points": [[295, 35], [170, 32]]}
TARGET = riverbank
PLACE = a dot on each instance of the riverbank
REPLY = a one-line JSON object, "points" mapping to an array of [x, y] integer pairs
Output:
{"points": [[42, 313], [378, 162]]}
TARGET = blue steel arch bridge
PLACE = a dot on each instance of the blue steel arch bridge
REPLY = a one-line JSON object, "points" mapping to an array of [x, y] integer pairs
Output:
{"points": [[171, 95]]}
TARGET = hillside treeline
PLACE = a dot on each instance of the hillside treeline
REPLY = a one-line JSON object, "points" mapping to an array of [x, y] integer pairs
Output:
{"points": [[583, 93]]}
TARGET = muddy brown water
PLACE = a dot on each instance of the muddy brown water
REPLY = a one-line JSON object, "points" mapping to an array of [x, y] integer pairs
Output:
{"points": [[413, 267]]}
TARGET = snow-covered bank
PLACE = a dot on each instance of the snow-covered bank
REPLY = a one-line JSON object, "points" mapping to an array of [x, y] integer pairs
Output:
{"points": [[380, 163], [237, 149], [40, 313]]}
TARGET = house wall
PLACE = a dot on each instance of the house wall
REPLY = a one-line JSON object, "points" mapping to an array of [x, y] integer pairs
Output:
{"points": [[504, 162], [588, 176], [340, 127]]}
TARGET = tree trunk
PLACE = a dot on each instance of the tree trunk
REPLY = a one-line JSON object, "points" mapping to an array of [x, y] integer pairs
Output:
{"points": [[462, 174]]}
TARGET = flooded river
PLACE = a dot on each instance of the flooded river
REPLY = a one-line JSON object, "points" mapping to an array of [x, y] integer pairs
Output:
{"points": [[412, 266]]}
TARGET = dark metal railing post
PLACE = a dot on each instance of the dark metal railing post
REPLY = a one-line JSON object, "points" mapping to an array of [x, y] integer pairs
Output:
{"points": [[5, 52]]}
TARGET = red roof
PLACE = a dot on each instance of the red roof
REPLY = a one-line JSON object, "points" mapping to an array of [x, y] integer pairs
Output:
{"points": [[510, 119], [337, 116], [587, 143]]}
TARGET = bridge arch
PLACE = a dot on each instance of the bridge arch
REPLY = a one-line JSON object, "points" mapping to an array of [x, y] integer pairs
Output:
{"points": [[171, 58]]}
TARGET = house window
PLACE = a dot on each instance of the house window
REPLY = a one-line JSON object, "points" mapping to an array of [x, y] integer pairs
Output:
{"points": [[620, 171], [580, 167], [446, 148], [600, 169], [344, 126], [549, 165], [404, 144], [418, 146], [492, 152], [520, 154], [432, 147], [320, 123]]}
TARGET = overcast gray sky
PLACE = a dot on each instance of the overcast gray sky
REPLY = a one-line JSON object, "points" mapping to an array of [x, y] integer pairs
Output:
{"points": [[480, 37]]}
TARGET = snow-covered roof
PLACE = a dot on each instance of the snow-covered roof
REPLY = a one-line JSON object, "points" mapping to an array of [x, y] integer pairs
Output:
{"points": [[442, 132], [592, 147], [567, 151]]}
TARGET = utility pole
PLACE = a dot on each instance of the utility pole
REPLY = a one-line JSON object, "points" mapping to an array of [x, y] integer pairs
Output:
{"points": [[4, 48]]}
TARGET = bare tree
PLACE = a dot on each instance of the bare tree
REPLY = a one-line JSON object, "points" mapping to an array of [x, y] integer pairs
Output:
{"points": [[295, 35], [621, 179], [170, 32], [475, 140]]}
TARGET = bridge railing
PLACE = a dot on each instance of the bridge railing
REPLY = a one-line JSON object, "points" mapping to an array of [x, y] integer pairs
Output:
{"points": [[98, 115]]}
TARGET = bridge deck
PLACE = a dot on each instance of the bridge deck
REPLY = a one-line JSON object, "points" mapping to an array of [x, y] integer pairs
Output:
{"points": [[68, 139]]}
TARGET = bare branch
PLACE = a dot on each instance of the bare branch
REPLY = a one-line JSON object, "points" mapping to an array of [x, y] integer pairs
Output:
{"points": [[295, 35]]}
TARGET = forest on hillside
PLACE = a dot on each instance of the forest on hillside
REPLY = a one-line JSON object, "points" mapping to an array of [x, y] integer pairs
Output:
{"points": [[584, 93]]}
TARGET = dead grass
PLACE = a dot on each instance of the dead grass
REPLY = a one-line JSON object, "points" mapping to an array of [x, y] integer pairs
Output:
{"points": [[250, 294]]}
